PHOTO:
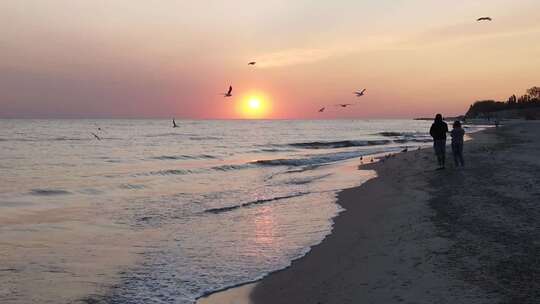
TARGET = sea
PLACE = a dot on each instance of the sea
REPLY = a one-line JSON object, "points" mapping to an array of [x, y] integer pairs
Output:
{"points": [[136, 211]]}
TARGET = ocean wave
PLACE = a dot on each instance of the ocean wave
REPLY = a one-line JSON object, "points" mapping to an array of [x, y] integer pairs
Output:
{"points": [[49, 192], [231, 167], [168, 134], [402, 134], [257, 202], [393, 134], [191, 136], [312, 160], [272, 150], [131, 186], [62, 138], [275, 150], [339, 144], [205, 138], [295, 170], [307, 180], [223, 168], [406, 137], [308, 162], [390, 134], [90, 138], [417, 140], [172, 172], [90, 191], [179, 157], [43, 139]]}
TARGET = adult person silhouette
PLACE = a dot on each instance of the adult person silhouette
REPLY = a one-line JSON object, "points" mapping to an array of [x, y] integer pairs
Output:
{"points": [[438, 131]]}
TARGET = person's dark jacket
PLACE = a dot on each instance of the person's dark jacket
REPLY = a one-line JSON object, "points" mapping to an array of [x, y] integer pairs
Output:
{"points": [[438, 130]]}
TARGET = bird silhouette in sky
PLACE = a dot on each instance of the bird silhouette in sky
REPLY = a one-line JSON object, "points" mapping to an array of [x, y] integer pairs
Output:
{"points": [[322, 109], [343, 105], [252, 63], [360, 93], [484, 19], [229, 93]]}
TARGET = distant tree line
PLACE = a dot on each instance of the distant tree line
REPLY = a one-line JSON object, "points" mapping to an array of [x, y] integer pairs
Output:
{"points": [[486, 108]]}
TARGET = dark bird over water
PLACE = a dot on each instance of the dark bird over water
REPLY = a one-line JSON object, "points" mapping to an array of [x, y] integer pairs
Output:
{"points": [[229, 93], [484, 19], [252, 63], [322, 109], [360, 93], [174, 125], [343, 105], [96, 136]]}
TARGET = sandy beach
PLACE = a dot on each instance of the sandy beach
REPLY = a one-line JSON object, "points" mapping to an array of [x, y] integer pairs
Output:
{"points": [[416, 235]]}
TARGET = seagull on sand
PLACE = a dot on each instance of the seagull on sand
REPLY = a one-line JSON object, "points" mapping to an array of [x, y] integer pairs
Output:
{"points": [[360, 93], [484, 19], [229, 93], [252, 63], [343, 105], [322, 109]]}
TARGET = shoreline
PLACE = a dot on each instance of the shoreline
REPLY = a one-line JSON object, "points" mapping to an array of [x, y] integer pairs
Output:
{"points": [[244, 293], [391, 251]]}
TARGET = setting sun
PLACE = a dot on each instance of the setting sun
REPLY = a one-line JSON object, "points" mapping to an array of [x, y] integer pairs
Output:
{"points": [[254, 105]]}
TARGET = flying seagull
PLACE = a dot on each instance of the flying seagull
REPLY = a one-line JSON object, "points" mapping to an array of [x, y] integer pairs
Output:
{"points": [[484, 19], [252, 63], [174, 125], [343, 105], [322, 109], [360, 93], [229, 93], [96, 136]]}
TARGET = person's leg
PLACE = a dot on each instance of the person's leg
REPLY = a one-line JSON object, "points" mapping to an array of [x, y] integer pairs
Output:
{"points": [[439, 146], [460, 155], [455, 155], [437, 152], [443, 147]]}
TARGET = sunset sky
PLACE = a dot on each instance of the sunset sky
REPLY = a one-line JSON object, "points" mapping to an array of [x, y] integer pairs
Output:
{"points": [[157, 58]]}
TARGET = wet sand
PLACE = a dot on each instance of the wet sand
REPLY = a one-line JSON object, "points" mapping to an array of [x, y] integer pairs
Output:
{"points": [[416, 235]]}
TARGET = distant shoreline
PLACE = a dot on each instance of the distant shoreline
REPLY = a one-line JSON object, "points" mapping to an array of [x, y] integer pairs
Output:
{"points": [[445, 118]]}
